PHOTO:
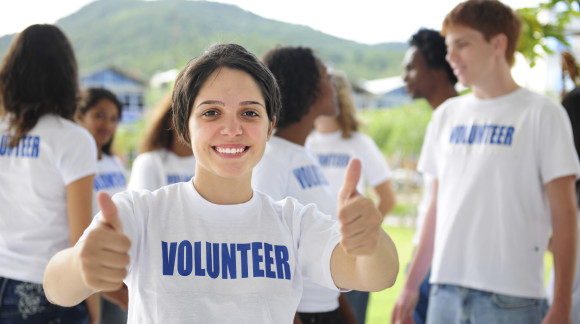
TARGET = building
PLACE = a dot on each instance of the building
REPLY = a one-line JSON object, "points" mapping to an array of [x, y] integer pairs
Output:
{"points": [[129, 89]]}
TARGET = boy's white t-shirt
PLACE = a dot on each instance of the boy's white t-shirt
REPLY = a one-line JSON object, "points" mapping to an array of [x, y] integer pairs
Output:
{"points": [[291, 170], [152, 170], [334, 153], [33, 208], [196, 262], [110, 178], [492, 159]]}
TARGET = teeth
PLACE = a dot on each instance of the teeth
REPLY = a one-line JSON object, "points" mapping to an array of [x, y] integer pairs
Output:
{"points": [[230, 150]]}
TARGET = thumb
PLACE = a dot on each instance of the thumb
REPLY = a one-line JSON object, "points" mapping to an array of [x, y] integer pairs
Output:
{"points": [[109, 211], [351, 178]]}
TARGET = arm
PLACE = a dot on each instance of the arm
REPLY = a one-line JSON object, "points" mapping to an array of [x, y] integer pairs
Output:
{"points": [[96, 264], [79, 204], [561, 195], [407, 300], [366, 258], [385, 197]]}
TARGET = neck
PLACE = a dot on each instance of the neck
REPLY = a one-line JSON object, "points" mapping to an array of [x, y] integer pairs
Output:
{"points": [[324, 124], [297, 132], [99, 153], [222, 191], [496, 85], [443, 93]]}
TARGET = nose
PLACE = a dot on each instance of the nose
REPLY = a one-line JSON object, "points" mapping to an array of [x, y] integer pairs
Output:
{"points": [[232, 127], [450, 55]]}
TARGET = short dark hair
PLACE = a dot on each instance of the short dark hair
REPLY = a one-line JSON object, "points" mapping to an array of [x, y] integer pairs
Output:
{"points": [[297, 71], [38, 76], [571, 103], [431, 44], [90, 97], [195, 73]]}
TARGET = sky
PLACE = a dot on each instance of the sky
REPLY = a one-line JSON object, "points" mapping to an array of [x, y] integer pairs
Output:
{"points": [[364, 21]]}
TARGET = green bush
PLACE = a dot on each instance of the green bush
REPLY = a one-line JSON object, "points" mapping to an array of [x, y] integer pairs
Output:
{"points": [[398, 131]]}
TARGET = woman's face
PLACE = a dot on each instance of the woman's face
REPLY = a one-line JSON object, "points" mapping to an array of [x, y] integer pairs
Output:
{"points": [[101, 121], [229, 125]]}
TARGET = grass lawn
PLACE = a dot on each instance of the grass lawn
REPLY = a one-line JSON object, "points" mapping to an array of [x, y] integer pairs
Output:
{"points": [[381, 303]]}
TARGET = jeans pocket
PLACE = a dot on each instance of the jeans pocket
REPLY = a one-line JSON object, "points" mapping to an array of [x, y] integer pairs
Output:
{"points": [[512, 302]]}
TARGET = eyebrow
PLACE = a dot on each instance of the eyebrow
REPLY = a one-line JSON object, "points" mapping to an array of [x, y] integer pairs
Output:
{"points": [[221, 103]]}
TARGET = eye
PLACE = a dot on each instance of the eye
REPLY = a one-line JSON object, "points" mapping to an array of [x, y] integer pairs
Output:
{"points": [[101, 115], [210, 113], [250, 113]]}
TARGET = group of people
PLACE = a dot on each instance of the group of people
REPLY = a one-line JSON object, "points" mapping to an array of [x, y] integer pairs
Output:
{"points": [[247, 200]]}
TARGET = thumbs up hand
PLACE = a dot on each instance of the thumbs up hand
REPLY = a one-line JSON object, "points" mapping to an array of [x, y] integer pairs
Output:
{"points": [[360, 221], [104, 253]]}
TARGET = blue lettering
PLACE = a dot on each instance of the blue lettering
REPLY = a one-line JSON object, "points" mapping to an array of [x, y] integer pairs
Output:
{"points": [[508, 136], [309, 176], [244, 248], [229, 261], [493, 129], [268, 261], [213, 270], [282, 256], [168, 258], [185, 258], [257, 259], [199, 271]]}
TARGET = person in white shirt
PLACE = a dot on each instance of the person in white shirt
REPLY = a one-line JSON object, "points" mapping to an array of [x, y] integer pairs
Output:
{"points": [[501, 186], [428, 76], [214, 250], [289, 169], [48, 165], [335, 140], [163, 158], [99, 112]]}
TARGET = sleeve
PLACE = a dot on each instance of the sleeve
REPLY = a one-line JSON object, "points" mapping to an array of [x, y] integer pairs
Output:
{"points": [[78, 158], [427, 160], [558, 157], [374, 165], [145, 173], [319, 235]]}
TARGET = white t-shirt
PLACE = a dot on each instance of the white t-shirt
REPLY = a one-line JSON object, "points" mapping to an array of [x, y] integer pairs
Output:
{"points": [[152, 170], [34, 177], [423, 206], [196, 262], [492, 159], [110, 178], [291, 170], [334, 153]]}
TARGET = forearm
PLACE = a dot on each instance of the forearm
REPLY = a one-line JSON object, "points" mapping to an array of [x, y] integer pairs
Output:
{"points": [[373, 272], [93, 303], [63, 284], [564, 244]]}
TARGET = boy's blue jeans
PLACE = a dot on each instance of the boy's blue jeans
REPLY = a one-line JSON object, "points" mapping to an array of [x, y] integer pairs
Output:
{"points": [[25, 302], [449, 304]]}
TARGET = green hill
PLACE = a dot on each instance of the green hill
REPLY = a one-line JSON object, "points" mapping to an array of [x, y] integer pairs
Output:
{"points": [[149, 36]]}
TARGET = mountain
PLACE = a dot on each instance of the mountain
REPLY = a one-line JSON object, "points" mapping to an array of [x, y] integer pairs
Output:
{"points": [[144, 37]]}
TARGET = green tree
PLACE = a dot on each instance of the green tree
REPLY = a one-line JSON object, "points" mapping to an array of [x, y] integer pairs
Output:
{"points": [[535, 32]]}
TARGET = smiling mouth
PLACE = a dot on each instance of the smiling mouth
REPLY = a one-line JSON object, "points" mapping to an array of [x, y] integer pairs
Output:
{"points": [[228, 150]]}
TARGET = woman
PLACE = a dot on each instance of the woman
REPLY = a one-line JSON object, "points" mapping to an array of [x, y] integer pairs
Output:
{"points": [[100, 112], [49, 164]]}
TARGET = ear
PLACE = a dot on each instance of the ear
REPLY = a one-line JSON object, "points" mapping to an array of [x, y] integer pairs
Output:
{"points": [[271, 129], [78, 116], [499, 42]]}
